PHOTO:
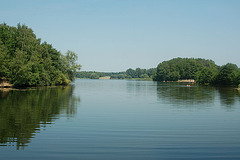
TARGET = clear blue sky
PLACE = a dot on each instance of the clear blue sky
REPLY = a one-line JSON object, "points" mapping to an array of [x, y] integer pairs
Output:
{"points": [[114, 35]]}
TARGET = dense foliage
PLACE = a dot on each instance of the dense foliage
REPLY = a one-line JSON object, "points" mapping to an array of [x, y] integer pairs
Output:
{"points": [[138, 73], [228, 74], [25, 61], [202, 70]]}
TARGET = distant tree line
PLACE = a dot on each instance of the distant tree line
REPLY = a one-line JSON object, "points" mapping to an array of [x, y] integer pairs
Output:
{"points": [[25, 61], [130, 73], [202, 70]]}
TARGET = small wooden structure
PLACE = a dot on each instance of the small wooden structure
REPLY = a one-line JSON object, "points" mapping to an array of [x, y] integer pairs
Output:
{"points": [[106, 77], [187, 80], [4, 83]]}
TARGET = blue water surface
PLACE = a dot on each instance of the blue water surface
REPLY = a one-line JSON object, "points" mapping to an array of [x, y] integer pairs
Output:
{"points": [[120, 119]]}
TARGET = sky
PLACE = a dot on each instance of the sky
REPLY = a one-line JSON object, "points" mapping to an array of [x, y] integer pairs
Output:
{"points": [[114, 35]]}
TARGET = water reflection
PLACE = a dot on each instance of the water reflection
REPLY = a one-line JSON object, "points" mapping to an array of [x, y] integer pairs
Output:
{"points": [[141, 88], [228, 96], [181, 94], [24, 113]]}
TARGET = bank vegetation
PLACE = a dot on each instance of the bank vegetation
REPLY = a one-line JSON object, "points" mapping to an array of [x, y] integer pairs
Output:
{"points": [[203, 71], [26, 61]]}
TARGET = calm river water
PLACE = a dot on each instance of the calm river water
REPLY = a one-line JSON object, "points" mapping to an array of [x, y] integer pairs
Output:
{"points": [[120, 119]]}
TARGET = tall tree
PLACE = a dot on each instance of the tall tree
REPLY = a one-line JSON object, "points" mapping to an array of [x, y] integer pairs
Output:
{"points": [[70, 64]]}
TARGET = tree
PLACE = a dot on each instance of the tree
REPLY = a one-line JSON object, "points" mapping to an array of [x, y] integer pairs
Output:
{"points": [[162, 72], [228, 75], [131, 73], [206, 76], [27, 62], [4, 60], [94, 76], [182, 68], [19, 69], [173, 76], [151, 72], [69, 62], [144, 76], [139, 72]]}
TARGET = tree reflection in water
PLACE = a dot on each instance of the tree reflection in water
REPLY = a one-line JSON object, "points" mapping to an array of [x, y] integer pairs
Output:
{"points": [[228, 96], [180, 94], [24, 112], [183, 95]]}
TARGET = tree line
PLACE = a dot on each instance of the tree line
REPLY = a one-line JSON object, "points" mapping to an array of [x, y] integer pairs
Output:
{"points": [[25, 61], [130, 73], [202, 70]]}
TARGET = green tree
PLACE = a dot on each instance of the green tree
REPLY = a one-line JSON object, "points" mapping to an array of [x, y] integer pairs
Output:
{"points": [[162, 72], [182, 68], [144, 76], [94, 76], [228, 75], [173, 76], [70, 62], [19, 69], [206, 76], [131, 73], [8, 38], [4, 60], [27, 62], [151, 72]]}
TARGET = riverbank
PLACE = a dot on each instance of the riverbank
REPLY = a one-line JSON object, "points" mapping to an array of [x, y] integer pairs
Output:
{"points": [[6, 86]]}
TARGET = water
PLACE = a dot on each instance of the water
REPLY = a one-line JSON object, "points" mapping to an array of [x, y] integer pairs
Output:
{"points": [[118, 119]]}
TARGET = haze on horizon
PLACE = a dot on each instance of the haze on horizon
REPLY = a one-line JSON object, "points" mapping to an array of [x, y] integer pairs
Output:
{"points": [[112, 36]]}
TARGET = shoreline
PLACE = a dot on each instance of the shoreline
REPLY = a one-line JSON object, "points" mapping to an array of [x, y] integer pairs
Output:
{"points": [[7, 89]]}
